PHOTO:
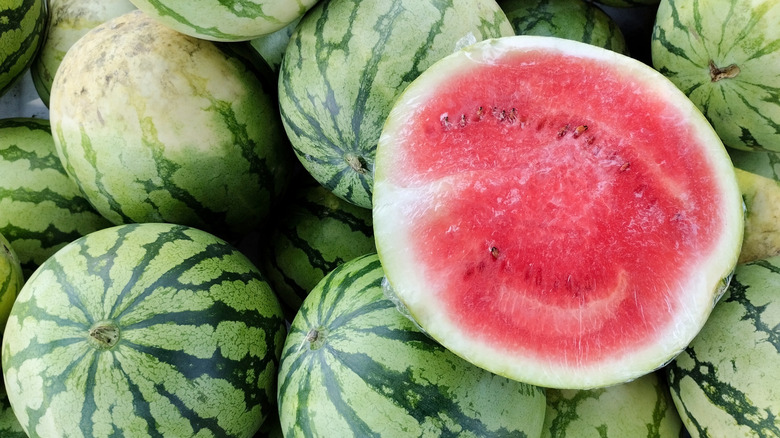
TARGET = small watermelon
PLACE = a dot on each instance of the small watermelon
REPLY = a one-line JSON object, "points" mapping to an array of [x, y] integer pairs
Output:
{"points": [[725, 382], [537, 211], [41, 208], [346, 63], [639, 408], [157, 126], [144, 330], [725, 56], [11, 280], [220, 20], [68, 21], [578, 20], [22, 27], [354, 366], [315, 231]]}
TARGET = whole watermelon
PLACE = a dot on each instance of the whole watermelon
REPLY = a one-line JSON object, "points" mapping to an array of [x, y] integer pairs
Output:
{"points": [[22, 27], [346, 63], [11, 279], [157, 126], [354, 366], [144, 330]]}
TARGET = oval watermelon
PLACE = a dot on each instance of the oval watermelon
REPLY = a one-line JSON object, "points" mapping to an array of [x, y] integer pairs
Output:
{"points": [[144, 330], [346, 63], [68, 20], [41, 208], [725, 56], [725, 382], [22, 27], [536, 209], [156, 126], [354, 366]]}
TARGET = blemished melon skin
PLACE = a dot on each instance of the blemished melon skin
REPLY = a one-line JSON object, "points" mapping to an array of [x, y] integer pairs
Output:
{"points": [[550, 227]]}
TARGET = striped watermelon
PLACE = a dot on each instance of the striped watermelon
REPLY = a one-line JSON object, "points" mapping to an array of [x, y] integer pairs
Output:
{"points": [[144, 330], [68, 21], [220, 20], [639, 408], [725, 384], [762, 216], [41, 208], [11, 279], [315, 231], [577, 20], [347, 62], [156, 126], [725, 55], [272, 46], [9, 425], [354, 366], [22, 27]]}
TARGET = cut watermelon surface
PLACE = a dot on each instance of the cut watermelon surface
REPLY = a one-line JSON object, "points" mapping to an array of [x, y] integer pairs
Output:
{"points": [[554, 212]]}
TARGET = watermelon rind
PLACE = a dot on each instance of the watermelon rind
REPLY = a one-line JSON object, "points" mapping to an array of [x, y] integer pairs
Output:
{"points": [[157, 126], [725, 382], [419, 276], [353, 366], [725, 55], [22, 30], [41, 208], [218, 20], [68, 20], [144, 330], [346, 63]]}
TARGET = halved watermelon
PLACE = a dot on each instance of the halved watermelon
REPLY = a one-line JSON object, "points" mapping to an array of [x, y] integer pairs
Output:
{"points": [[554, 212]]}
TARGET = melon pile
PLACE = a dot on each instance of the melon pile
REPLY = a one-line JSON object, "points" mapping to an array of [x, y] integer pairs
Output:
{"points": [[403, 218]]}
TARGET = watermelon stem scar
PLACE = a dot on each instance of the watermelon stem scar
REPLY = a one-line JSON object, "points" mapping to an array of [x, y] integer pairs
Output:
{"points": [[104, 334], [728, 72], [358, 164], [315, 338]]}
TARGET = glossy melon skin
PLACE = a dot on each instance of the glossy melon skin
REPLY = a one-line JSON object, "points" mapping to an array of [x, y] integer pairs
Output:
{"points": [[530, 227]]}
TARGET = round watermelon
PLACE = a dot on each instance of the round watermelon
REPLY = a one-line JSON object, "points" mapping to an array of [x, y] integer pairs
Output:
{"points": [[354, 366], [22, 29], [346, 63], [11, 279], [578, 20], [144, 330], [68, 21], [157, 126], [41, 208], [220, 20], [726, 59], [725, 382], [537, 211], [762, 216]]}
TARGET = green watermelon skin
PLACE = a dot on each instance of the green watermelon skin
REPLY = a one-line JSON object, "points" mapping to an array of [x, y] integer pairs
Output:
{"points": [[196, 122], [22, 26], [41, 208], [577, 20], [315, 231], [9, 425], [346, 63], [724, 56], [144, 330], [353, 365], [725, 383], [11, 279], [68, 21]]}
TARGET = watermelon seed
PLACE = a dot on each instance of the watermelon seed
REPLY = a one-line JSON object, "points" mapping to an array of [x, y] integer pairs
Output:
{"points": [[445, 122], [462, 122], [480, 113], [625, 166], [728, 72], [499, 114], [494, 252], [579, 130], [564, 129], [512, 117]]}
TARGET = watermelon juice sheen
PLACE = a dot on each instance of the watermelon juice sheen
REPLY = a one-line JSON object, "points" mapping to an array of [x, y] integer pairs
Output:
{"points": [[554, 212]]}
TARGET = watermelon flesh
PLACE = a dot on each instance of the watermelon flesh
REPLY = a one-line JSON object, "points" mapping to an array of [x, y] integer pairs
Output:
{"points": [[554, 212]]}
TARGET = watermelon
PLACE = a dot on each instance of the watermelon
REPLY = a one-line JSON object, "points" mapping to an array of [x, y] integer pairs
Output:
{"points": [[272, 46], [41, 208], [22, 27], [220, 20], [68, 21], [641, 407], [347, 62], [314, 232], [537, 212], [725, 56], [9, 425], [354, 366], [577, 20], [639, 4], [144, 330], [11, 279], [725, 382], [762, 218], [157, 126]]}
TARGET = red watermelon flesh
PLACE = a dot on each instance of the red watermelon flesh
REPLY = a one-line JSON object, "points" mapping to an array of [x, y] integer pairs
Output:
{"points": [[553, 212]]}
